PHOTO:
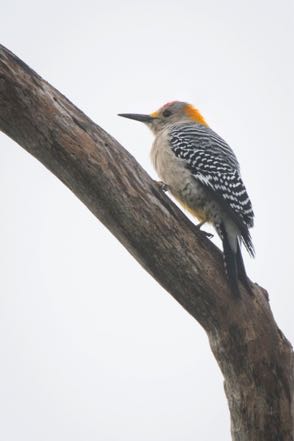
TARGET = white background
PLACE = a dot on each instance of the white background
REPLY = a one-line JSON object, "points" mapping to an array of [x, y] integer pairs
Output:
{"points": [[91, 348]]}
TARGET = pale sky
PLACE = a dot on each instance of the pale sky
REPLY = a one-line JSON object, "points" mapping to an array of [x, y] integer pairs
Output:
{"points": [[91, 347]]}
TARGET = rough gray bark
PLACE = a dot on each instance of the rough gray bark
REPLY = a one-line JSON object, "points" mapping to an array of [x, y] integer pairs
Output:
{"points": [[255, 358]]}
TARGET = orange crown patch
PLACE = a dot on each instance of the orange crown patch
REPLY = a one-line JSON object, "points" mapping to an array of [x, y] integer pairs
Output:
{"points": [[195, 115]]}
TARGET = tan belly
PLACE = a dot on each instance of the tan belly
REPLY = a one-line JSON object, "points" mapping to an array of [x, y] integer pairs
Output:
{"points": [[174, 173]]}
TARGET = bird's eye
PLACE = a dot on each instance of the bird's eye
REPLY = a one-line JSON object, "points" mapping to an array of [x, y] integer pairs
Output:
{"points": [[166, 113]]}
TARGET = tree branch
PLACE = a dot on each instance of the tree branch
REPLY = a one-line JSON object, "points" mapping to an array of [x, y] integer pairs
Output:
{"points": [[255, 358]]}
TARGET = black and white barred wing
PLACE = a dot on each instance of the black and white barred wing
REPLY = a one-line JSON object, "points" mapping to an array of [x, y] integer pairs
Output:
{"points": [[213, 163]]}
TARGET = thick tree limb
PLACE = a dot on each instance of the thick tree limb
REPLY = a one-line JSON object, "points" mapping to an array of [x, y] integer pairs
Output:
{"points": [[255, 358]]}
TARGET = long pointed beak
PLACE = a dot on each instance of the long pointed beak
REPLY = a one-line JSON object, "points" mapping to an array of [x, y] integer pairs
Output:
{"points": [[137, 117]]}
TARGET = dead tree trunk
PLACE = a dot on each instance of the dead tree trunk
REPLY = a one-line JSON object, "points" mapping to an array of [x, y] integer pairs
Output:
{"points": [[255, 358]]}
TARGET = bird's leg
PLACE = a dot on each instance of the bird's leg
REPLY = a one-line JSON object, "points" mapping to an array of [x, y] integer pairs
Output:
{"points": [[198, 226], [162, 185]]}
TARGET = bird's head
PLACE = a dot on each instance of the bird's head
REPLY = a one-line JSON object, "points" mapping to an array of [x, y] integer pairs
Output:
{"points": [[170, 113]]}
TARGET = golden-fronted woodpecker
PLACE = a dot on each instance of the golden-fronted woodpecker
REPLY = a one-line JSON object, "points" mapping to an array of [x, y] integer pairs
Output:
{"points": [[203, 174]]}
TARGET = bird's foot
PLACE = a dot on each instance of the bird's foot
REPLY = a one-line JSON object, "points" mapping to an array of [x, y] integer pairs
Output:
{"points": [[162, 185], [205, 233]]}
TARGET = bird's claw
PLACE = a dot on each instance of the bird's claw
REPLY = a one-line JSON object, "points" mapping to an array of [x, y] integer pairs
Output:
{"points": [[162, 185], [206, 234], [198, 226]]}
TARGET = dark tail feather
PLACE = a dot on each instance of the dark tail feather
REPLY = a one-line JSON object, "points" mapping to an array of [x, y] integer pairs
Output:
{"points": [[233, 260], [230, 261], [241, 269], [247, 241]]}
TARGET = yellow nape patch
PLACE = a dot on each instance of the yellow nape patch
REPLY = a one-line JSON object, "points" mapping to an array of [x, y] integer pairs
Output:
{"points": [[195, 115]]}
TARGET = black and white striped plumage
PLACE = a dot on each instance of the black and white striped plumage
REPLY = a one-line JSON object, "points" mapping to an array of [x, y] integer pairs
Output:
{"points": [[213, 163]]}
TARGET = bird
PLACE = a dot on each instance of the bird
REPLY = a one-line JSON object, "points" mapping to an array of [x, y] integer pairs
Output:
{"points": [[203, 174]]}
